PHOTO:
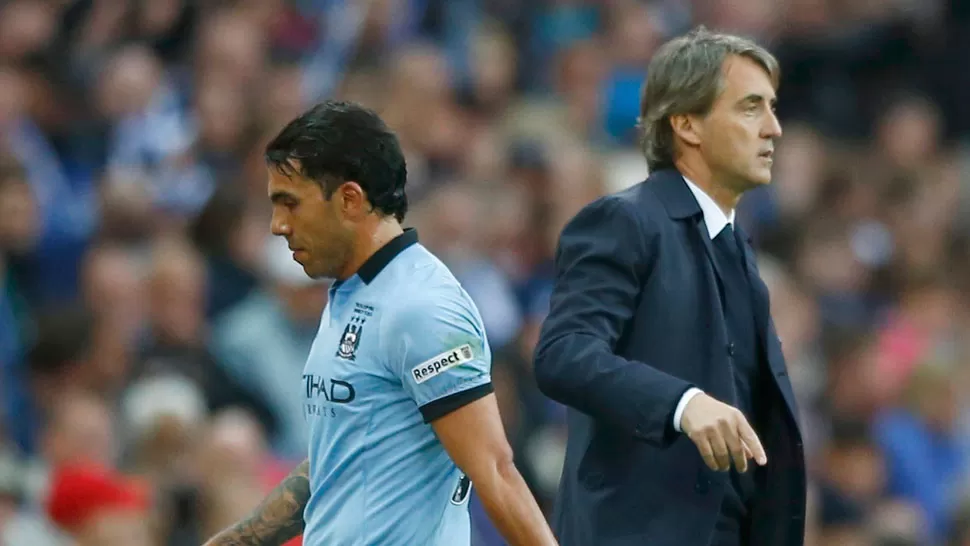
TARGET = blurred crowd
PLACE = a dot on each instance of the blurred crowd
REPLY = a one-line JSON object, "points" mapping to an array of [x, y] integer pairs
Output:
{"points": [[152, 335]]}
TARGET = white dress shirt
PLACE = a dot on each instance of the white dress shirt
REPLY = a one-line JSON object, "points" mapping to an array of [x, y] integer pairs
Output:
{"points": [[716, 221]]}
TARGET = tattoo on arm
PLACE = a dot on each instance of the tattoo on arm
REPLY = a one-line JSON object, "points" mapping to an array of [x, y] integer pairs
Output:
{"points": [[278, 519]]}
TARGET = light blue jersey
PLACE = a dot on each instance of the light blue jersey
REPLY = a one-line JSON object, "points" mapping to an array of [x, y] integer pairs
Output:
{"points": [[400, 344]]}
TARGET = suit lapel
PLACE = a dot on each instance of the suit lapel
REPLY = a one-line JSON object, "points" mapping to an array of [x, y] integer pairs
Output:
{"points": [[671, 189]]}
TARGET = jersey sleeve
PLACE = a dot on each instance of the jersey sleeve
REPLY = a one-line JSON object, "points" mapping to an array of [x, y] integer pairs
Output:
{"points": [[439, 350]]}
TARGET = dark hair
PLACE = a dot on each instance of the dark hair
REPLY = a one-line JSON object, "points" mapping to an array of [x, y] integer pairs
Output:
{"points": [[336, 142], [60, 338]]}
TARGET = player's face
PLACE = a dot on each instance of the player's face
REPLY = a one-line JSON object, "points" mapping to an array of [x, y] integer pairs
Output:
{"points": [[320, 242], [738, 133]]}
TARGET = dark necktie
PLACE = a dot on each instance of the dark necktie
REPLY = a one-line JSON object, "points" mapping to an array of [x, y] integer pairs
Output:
{"points": [[738, 307], [728, 242]]}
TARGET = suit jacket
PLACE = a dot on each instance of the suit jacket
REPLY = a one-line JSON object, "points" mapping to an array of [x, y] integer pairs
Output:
{"points": [[635, 320]]}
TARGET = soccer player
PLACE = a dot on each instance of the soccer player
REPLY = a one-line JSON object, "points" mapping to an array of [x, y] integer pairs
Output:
{"points": [[397, 387]]}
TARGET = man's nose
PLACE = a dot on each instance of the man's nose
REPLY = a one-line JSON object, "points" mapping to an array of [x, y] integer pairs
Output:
{"points": [[772, 128], [280, 227]]}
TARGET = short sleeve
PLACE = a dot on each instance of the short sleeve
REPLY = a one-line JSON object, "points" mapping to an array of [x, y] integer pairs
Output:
{"points": [[438, 349]]}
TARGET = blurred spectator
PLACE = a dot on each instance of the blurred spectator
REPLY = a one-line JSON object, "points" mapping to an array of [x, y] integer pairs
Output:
{"points": [[237, 469], [854, 468], [98, 507], [112, 272], [176, 338], [223, 231], [55, 365], [926, 457], [262, 343], [163, 419]]}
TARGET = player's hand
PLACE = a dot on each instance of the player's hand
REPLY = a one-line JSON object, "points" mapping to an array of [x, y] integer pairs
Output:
{"points": [[721, 434]]}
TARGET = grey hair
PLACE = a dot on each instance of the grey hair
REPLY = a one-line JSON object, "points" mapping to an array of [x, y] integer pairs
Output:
{"points": [[685, 77]]}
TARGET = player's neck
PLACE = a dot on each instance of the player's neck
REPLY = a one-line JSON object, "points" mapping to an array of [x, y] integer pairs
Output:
{"points": [[701, 176], [371, 240]]}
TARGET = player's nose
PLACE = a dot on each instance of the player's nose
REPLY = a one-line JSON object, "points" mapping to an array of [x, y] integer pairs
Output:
{"points": [[280, 228], [279, 224]]}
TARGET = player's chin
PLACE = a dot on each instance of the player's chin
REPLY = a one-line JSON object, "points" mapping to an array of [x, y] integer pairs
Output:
{"points": [[311, 269], [318, 271]]}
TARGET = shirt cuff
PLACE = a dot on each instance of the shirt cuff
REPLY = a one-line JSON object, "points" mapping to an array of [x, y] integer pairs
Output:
{"points": [[437, 409], [682, 405]]}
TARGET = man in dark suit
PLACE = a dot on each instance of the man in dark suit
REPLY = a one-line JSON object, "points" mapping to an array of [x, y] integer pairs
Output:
{"points": [[659, 336]]}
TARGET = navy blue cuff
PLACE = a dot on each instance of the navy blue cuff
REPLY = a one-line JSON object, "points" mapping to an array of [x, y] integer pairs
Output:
{"points": [[443, 406]]}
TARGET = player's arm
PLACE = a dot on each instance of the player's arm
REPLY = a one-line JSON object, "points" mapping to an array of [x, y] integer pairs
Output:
{"points": [[474, 437], [277, 519], [439, 351]]}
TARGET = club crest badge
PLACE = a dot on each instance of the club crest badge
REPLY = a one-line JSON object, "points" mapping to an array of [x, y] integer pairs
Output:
{"points": [[350, 340]]}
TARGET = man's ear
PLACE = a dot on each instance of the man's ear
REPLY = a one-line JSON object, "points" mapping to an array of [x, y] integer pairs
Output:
{"points": [[351, 199], [687, 127]]}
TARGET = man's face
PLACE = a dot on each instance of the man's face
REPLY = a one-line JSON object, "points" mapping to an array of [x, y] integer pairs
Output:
{"points": [[313, 226], [737, 135]]}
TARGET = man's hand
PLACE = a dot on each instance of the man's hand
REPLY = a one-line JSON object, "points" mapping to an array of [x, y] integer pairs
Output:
{"points": [[475, 439], [721, 434], [278, 519]]}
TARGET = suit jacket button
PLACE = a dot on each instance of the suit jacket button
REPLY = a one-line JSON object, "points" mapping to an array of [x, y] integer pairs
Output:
{"points": [[730, 349]]}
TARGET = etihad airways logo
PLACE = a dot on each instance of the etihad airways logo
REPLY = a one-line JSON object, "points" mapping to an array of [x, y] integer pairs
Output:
{"points": [[440, 363], [332, 390]]}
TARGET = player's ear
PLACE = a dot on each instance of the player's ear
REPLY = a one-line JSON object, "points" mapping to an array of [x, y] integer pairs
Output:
{"points": [[351, 199], [687, 128]]}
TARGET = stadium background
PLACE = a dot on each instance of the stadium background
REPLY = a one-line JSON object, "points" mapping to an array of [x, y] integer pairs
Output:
{"points": [[143, 304]]}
